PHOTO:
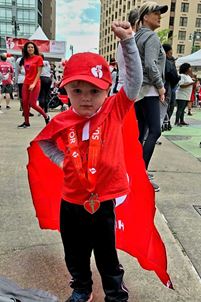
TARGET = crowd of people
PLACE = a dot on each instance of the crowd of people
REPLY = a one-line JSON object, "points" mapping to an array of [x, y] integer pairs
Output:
{"points": [[87, 142]]}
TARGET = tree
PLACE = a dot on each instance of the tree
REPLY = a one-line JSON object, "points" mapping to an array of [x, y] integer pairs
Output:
{"points": [[163, 35]]}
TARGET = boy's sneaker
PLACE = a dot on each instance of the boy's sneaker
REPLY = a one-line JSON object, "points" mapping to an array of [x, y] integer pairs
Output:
{"points": [[80, 297], [155, 186], [23, 125], [47, 120]]}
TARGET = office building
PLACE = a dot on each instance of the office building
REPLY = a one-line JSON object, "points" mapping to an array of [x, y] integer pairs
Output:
{"points": [[20, 18], [183, 20]]}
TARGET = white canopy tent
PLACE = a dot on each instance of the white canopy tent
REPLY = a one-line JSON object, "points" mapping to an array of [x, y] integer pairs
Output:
{"points": [[193, 59], [39, 35]]}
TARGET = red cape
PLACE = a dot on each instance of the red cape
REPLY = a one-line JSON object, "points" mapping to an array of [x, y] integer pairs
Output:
{"points": [[136, 233]]}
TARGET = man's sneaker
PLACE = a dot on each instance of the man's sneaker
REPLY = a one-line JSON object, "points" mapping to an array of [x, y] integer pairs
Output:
{"points": [[8, 107], [80, 297], [24, 125], [47, 120], [150, 176], [155, 186]]}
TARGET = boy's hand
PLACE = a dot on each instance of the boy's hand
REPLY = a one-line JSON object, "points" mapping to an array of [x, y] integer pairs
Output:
{"points": [[122, 29]]}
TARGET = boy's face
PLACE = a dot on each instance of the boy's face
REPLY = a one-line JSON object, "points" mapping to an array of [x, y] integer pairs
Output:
{"points": [[85, 98]]}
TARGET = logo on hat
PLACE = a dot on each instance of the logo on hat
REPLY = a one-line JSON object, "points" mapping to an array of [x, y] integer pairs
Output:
{"points": [[97, 71]]}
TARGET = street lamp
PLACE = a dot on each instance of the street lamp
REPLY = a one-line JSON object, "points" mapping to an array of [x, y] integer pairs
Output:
{"points": [[194, 36], [16, 25], [71, 48]]}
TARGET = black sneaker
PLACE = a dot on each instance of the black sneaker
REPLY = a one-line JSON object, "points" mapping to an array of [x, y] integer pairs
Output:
{"points": [[155, 186], [24, 125], [8, 107], [47, 120], [80, 297], [150, 176]]}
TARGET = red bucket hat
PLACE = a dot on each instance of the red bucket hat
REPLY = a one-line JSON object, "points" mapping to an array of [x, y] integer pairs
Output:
{"points": [[89, 67]]}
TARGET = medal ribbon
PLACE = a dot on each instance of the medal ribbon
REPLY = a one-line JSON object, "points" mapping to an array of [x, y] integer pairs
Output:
{"points": [[89, 180]]}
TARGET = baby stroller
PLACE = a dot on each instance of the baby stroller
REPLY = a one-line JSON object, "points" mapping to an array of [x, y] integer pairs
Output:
{"points": [[57, 99]]}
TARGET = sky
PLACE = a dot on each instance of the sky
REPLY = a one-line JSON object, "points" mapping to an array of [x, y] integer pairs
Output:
{"points": [[77, 23]]}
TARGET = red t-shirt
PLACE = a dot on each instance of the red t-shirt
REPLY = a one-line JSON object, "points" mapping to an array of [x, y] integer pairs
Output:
{"points": [[112, 178], [6, 69], [31, 65]]}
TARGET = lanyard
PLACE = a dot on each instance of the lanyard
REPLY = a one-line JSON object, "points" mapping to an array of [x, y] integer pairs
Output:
{"points": [[89, 180]]}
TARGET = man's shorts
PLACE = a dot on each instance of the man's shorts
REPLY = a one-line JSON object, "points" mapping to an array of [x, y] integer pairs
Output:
{"points": [[7, 89]]}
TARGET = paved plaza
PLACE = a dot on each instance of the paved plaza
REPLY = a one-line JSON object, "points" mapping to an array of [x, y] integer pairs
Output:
{"points": [[34, 258]]}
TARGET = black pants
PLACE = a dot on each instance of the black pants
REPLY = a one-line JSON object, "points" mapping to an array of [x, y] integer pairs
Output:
{"points": [[44, 92], [148, 116], [181, 105], [171, 104], [81, 233]]}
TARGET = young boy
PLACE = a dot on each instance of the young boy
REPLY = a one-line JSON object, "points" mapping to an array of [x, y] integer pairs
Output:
{"points": [[93, 165]]}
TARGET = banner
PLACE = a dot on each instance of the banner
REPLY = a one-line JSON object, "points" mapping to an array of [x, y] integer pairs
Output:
{"points": [[57, 46], [51, 46]]}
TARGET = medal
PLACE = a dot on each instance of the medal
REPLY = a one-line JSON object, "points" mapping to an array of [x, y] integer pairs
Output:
{"points": [[88, 180], [92, 205]]}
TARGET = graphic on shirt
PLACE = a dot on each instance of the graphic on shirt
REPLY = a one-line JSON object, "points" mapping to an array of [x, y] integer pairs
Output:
{"points": [[75, 154], [97, 71]]}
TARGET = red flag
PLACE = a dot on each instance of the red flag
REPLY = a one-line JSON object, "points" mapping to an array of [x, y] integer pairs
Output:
{"points": [[135, 229]]}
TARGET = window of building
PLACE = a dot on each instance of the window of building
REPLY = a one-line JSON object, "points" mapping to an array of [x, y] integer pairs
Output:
{"points": [[39, 19], [184, 7], [180, 48], [172, 8], [6, 2], [26, 3], [183, 21], [26, 15], [40, 8], [128, 5], [182, 35], [198, 22], [26, 29], [171, 23], [6, 13], [199, 8], [6, 28], [2, 43]]}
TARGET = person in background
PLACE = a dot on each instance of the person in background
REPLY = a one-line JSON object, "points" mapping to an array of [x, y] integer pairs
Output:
{"points": [[115, 74], [171, 80], [132, 19], [183, 93], [46, 82], [33, 64], [152, 91], [7, 73], [193, 94], [19, 78]]}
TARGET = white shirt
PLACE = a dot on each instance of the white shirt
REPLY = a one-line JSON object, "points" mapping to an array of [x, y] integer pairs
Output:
{"points": [[184, 93]]}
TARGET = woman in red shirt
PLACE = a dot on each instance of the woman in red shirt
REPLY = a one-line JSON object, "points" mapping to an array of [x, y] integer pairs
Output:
{"points": [[33, 64]]}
